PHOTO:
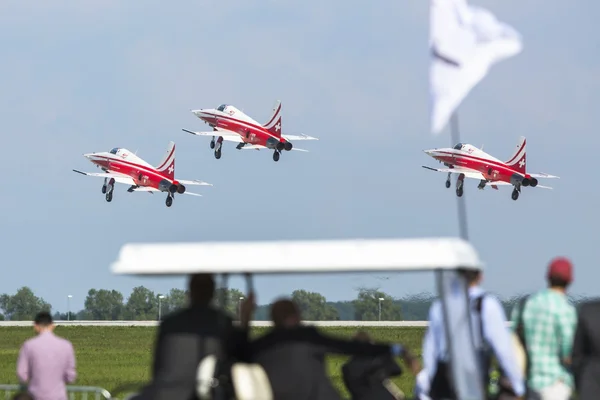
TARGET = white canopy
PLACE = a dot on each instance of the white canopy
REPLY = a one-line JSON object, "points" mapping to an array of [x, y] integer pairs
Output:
{"points": [[352, 255]]}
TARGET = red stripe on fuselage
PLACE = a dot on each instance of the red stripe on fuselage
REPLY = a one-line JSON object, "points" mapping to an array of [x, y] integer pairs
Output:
{"points": [[500, 171], [150, 177], [258, 134]]}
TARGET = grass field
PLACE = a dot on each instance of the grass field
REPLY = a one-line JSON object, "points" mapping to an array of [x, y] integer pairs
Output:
{"points": [[112, 357]]}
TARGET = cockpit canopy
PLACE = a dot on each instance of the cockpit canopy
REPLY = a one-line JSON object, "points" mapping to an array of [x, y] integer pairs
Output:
{"points": [[115, 150], [222, 107], [459, 146]]}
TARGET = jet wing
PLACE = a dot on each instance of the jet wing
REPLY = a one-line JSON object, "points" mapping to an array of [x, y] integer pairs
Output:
{"points": [[151, 190], [258, 147], [469, 173], [502, 183], [193, 182], [121, 178], [543, 175], [227, 135], [252, 147], [302, 136]]}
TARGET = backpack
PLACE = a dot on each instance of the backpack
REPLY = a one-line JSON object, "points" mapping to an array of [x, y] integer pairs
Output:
{"points": [[441, 386]]}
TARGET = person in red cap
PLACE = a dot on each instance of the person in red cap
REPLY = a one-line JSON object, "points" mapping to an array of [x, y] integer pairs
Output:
{"points": [[548, 322]]}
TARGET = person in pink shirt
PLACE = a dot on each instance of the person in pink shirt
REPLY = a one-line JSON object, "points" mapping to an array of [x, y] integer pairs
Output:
{"points": [[46, 362]]}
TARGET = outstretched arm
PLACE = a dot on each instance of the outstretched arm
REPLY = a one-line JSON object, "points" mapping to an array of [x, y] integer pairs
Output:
{"points": [[565, 323], [328, 344]]}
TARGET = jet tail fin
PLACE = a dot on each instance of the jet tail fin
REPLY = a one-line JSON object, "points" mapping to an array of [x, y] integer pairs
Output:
{"points": [[167, 164], [518, 159], [274, 124]]}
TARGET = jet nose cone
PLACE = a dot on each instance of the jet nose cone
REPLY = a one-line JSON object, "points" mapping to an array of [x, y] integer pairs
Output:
{"points": [[429, 152], [88, 155]]}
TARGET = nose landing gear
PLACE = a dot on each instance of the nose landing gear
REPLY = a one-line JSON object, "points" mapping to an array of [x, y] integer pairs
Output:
{"points": [[460, 181]]}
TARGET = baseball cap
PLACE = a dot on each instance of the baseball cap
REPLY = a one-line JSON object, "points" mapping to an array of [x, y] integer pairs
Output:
{"points": [[561, 267]]}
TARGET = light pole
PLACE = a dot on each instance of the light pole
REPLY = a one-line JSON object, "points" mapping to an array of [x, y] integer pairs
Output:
{"points": [[240, 308], [380, 300], [69, 307], [160, 297]]}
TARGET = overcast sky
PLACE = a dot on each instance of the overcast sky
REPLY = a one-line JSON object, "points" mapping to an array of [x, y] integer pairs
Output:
{"points": [[84, 76]]}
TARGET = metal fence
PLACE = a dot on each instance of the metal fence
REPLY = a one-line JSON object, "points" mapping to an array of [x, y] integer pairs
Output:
{"points": [[74, 392]]}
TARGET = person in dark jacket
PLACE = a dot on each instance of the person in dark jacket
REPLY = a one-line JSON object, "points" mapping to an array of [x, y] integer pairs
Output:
{"points": [[293, 355], [186, 336], [368, 377], [586, 352]]}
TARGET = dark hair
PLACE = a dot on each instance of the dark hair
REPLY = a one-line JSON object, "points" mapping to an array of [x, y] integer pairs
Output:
{"points": [[558, 282], [283, 309], [43, 318], [471, 275], [201, 289]]}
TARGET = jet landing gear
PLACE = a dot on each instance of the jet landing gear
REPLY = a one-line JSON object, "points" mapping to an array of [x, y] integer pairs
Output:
{"points": [[448, 181], [460, 181], [217, 146], [276, 156], [107, 188], [171, 195], [515, 193]]}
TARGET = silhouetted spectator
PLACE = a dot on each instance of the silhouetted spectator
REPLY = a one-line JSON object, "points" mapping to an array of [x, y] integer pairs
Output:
{"points": [[368, 377], [23, 396], [586, 351], [492, 338], [293, 355], [46, 362], [187, 336]]}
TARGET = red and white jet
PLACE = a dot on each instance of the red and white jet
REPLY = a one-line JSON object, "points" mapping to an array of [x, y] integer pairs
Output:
{"points": [[233, 125], [471, 162], [123, 166]]}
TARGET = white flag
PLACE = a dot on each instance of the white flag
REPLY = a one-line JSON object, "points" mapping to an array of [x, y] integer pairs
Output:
{"points": [[465, 41]]}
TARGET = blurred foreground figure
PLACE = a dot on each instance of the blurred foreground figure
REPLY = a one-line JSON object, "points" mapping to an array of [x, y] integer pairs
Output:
{"points": [[22, 396], [586, 352], [368, 377], [546, 324], [47, 362], [491, 337], [187, 336], [293, 355]]}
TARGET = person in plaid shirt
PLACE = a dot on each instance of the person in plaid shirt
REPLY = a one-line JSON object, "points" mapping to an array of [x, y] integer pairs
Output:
{"points": [[549, 322]]}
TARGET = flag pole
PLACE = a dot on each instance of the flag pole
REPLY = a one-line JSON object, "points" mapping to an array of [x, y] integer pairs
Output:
{"points": [[462, 207]]}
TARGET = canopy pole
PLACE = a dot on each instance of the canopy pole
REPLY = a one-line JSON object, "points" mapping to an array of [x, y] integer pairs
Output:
{"points": [[462, 208], [458, 281], [249, 283]]}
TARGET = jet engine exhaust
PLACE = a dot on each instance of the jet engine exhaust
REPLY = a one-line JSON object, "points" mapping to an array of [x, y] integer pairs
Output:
{"points": [[288, 146], [533, 182], [181, 189]]}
